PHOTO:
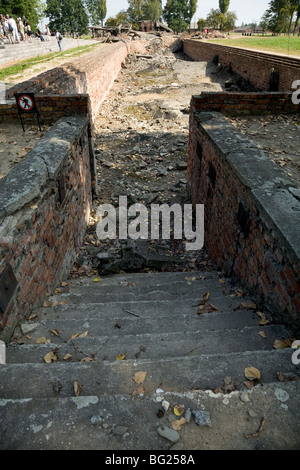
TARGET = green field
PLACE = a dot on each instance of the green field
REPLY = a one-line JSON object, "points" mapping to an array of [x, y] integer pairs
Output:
{"points": [[19, 67], [288, 45]]}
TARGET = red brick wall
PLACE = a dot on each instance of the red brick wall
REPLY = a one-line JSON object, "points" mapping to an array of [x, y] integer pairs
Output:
{"points": [[253, 66], [51, 108], [232, 103], [92, 73], [40, 234], [249, 230]]}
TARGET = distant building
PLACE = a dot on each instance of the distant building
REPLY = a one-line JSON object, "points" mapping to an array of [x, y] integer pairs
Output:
{"points": [[148, 25]]}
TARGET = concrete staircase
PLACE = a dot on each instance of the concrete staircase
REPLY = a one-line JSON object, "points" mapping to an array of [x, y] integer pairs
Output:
{"points": [[127, 349], [13, 52]]}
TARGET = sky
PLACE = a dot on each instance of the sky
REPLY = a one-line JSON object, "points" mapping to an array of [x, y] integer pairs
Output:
{"points": [[246, 10]]}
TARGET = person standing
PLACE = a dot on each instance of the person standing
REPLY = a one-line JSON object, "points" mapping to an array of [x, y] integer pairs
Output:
{"points": [[13, 24], [59, 39], [21, 29], [48, 33]]}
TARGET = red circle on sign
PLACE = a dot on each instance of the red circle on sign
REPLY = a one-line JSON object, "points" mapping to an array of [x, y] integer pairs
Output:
{"points": [[25, 102]]}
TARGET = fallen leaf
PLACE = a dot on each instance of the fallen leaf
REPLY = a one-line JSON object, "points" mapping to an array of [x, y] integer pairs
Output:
{"points": [[54, 332], [67, 357], [57, 291], [139, 390], [96, 279], [139, 377], [176, 425], [34, 206], [64, 284], [178, 410], [83, 335], [201, 306], [280, 376], [121, 357], [246, 306], [230, 384], [47, 303], [43, 340], [251, 373], [262, 334], [278, 344], [77, 388], [74, 335], [263, 319], [86, 359], [50, 357]]}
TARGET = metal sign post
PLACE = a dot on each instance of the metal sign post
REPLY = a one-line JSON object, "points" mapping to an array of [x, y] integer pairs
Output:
{"points": [[26, 105]]}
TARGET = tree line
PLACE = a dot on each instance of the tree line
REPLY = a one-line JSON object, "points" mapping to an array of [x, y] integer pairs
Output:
{"points": [[282, 16], [76, 15]]}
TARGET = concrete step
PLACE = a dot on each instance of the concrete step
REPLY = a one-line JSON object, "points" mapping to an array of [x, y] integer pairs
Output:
{"points": [[124, 322], [130, 423], [178, 374], [148, 345], [23, 50], [149, 287]]}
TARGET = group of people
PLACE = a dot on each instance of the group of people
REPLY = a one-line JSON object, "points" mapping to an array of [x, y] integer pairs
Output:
{"points": [[19, 30]]}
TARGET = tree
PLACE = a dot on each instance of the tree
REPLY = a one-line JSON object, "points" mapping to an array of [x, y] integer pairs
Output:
{"points": [[152, 10], [201, 23], [31, 9], [177, 13], [191, 8], [215, 19], [278, 16], [222, 21], [135, 12], [224, 5], [67, 16], [97, 10], [297, 17], [229, 22], [120, 18]]}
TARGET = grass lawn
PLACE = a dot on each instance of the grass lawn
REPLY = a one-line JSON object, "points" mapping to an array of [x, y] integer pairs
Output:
{"points": [[19, 67], [288, 45]]}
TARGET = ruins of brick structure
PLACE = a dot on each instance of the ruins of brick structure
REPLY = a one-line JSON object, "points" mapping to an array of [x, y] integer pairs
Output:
{"points": [[245, 230]]}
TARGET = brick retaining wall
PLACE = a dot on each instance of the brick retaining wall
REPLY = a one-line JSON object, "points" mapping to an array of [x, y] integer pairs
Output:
{"points": [[238, 104], [51, 108], [251, 65], [251, 213], [93, 74], [44, 208]]}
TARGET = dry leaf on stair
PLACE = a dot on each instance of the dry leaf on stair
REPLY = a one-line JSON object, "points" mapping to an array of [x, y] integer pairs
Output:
{"points": [[121, 357], [77, 388], [201, 305], [251, 373], [263, 319], [43, 340], [246, 306], [55, 332], [139, 377], [279, 344], [262, 334], [50, 357], [83, 335], [229, 384], [139, 390]]}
